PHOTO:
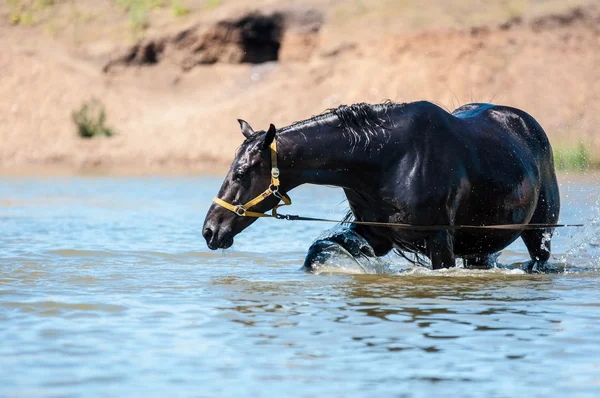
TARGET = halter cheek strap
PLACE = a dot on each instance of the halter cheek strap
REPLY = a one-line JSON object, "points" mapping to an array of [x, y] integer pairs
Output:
{"points": [[273, 189]]}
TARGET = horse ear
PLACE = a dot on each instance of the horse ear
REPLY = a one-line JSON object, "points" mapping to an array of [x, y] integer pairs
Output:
{"points": [[270, 135], [246, 129]]}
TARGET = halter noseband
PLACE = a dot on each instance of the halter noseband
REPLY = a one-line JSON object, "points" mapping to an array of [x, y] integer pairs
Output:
{"points": [[273, 189]]}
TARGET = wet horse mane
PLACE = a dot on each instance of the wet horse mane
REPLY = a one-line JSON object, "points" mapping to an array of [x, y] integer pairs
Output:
{"points": [[361, 122]]}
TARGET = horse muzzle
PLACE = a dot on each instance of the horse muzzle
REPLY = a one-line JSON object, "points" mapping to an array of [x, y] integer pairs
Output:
{"points": [[217, 239]]}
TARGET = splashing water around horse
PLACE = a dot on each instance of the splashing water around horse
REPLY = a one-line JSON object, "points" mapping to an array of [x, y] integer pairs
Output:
{"points": [[409, 163]]}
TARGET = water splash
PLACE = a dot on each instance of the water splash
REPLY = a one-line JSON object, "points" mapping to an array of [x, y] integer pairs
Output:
{"points": [[546, 238], [348, 265], [341, 250], [583, 244]]}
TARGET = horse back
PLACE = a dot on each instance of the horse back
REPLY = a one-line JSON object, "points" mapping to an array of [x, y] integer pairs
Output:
{"points": [[513, 127], [481, 156]]}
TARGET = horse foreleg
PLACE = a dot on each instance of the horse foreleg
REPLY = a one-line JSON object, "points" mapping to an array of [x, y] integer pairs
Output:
{"points": [[441, 250]]}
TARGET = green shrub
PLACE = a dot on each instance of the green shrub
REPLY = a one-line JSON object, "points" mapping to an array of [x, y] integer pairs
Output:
{"points": [[572, 159], [90, 120]]}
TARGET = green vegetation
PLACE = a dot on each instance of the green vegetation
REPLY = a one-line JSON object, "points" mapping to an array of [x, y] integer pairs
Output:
{"points": [[210, 4], [56, 14], [572, 159], [90, 119], [26, 12], [178, 8], [139, 11]]}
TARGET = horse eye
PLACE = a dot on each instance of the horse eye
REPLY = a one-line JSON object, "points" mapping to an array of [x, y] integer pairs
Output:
{"points": [[238, 175]]}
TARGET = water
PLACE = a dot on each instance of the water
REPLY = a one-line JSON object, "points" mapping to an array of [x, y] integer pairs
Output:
{"points": [[107, 289]]}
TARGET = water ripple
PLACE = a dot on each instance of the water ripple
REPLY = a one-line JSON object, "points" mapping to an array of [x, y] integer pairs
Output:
{"points": [[107, 289]]}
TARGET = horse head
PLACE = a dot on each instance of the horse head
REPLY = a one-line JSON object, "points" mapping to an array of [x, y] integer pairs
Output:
{"points": [[248, 178]]}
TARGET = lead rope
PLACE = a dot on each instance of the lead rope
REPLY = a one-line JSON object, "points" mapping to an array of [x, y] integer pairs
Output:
{"points": [[292, 217]]}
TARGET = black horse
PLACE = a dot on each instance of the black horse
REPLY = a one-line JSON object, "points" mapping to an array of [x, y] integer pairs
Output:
{"points": [[411, 163]]}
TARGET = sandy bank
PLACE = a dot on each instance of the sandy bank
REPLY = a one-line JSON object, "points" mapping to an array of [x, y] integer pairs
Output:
{"points": [[171, 119]]}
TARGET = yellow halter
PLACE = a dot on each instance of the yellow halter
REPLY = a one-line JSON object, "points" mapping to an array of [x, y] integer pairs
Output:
{"points": [[273, 189]]}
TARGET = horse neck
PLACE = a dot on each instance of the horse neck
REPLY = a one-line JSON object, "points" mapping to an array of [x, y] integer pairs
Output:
{"points": [[322, 154]]}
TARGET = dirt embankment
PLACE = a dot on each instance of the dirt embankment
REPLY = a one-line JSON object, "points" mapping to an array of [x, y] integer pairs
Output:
{"points": [[253, 38], [174, 98]]}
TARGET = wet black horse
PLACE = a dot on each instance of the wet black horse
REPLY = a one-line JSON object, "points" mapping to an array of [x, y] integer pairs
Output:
{"points": [[411, 163]]}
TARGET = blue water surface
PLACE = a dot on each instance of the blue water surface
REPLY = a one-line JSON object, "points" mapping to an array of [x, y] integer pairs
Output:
{"points": [[107, 289]]}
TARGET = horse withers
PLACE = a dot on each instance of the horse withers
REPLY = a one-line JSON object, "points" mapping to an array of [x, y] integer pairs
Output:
{"points": [[411, 163]]}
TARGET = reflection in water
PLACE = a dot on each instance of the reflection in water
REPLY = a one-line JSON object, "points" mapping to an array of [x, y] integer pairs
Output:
{"points": [[111, 292]]}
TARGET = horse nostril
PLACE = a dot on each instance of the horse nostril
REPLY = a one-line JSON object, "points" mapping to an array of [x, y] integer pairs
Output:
{"points": [[207, 233]]}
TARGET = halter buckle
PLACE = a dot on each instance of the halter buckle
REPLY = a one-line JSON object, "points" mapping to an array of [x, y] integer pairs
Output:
{"points": [[275, 172], [275, 191], [240, 211]]}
